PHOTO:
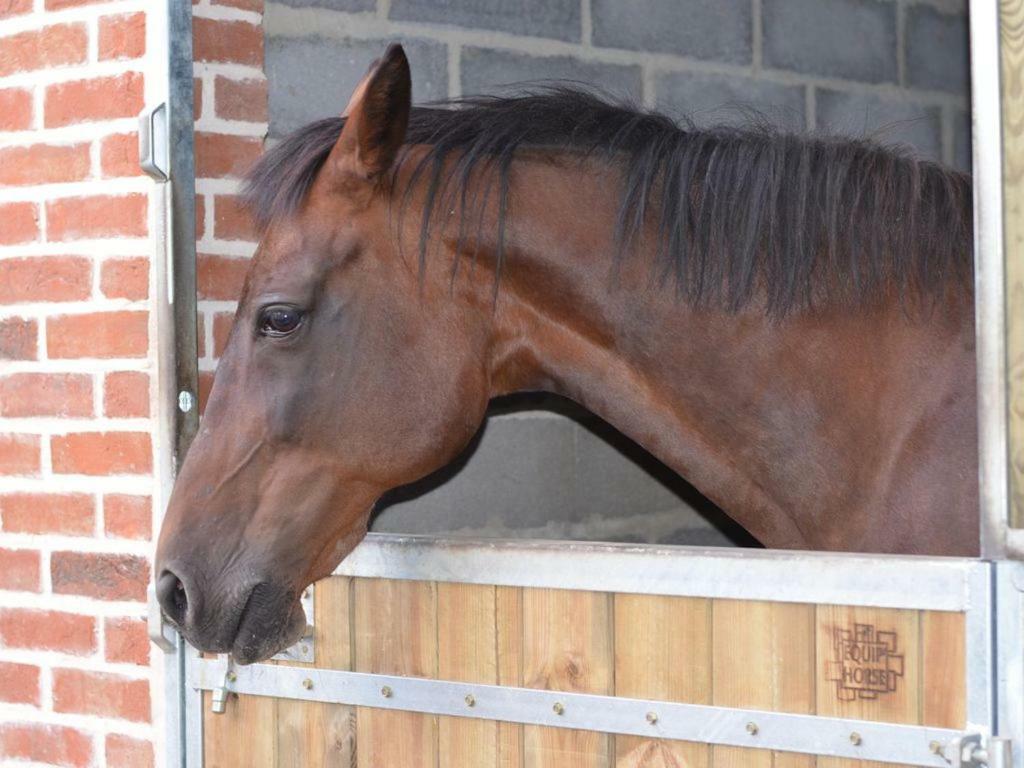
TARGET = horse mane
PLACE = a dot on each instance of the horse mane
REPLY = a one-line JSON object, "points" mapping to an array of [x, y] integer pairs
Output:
{"points": [[737, 211]]}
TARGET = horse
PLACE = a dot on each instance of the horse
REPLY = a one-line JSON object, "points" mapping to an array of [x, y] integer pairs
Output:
{"points": [[784, 320]]}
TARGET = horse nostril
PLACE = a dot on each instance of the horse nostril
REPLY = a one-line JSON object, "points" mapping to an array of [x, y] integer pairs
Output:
{"points": [[173, 597]]}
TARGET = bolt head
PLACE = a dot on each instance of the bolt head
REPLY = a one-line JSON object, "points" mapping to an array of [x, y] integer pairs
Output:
{"points": [[386, 691], [855, 739], [752, 728], [558, 708], [307, 684], [652, 717], [470, 700]]}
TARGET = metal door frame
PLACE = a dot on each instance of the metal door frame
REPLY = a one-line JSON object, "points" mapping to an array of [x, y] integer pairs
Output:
{"points": [[993, 592]]}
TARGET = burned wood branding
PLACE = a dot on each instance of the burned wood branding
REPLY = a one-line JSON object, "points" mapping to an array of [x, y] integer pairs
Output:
{"points": [[865, 662]]}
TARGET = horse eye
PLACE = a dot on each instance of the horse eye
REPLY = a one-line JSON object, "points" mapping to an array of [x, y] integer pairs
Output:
{"points": [[279, 320]]}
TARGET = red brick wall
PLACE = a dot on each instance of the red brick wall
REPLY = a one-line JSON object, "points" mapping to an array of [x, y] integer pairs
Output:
{"points": [[79, 685]]}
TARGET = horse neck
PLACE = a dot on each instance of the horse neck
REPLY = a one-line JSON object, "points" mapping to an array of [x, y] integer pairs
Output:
{"points": [[799, 429]]}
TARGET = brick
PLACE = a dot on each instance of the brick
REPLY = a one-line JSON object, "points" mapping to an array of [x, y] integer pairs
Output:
{"points": [[201, 335], [69, 514], [126, 640], [9, 8], [19, 223], [20, 683], [43, 164], [50, 744], [75, 218], [128, 517], [888, 119], [20, 570], [71, 633], [56, 5], [937, 50], [220, 277], [230, 220], [222, 323], [240, 99], [853, 39], [559, 19], [122, 36], [99, 575], [485, 71], [126, 752], [46, 394], [220, 156], [125, 278], [119, 155], [312, 77], [100, 693], [19, 454], [236, 42], [18, 339], [197, 98], [52, 46], [702, 29], [102, 453], [98, 335], [101, 98], [716, 99], [200, 216], [126, 395], [45, 278], [15, 107]]}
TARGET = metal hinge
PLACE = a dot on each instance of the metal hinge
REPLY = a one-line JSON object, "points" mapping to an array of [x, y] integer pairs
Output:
{"points": [[972, 750], [154, 144]]}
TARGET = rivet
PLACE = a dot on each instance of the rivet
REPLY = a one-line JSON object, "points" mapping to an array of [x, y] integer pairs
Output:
{"points": [[752, 728], [855, 739], [307, 684], [652, 717], [935, 747], [231, 676], [386, 691], [303, 649], [558, 708], [470, 701]]}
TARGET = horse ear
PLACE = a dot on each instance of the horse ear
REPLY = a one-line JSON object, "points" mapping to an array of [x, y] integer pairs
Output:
{"points": [[377, 116]]}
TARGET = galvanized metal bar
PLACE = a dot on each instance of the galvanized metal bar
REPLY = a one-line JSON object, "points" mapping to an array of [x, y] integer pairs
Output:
{"points": [[1009, 613], [193, 702], [938, 584], [808, 734], [980, 650], [989, 277]]}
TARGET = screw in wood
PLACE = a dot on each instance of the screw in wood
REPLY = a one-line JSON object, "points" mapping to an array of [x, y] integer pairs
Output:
{"points": [[559, 708], [855, 739], [752, 728], [935, 747], [652, 717], [386, 691], [231, 676], [307, 684], [470, 701]]}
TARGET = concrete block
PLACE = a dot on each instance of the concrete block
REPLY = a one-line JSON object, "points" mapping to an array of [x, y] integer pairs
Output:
{"points": [[559, 19], [719, 30], [314, 77], [493, 71], [887, 119], [334, 5], [936, 50], [715, 99], [852, 39]]}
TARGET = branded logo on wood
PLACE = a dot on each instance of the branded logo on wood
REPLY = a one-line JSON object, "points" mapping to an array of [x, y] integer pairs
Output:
{"points": [[866, 663]]}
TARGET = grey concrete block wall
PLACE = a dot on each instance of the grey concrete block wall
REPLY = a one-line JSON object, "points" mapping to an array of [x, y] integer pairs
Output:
{"points": [[896, 69]]}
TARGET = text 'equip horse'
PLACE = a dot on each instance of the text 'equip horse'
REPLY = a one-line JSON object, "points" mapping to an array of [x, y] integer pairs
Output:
{"points": [[785, 321]]}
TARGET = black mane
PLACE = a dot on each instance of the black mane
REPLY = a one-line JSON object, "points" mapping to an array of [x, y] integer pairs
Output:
{"points": [[803, 219]]}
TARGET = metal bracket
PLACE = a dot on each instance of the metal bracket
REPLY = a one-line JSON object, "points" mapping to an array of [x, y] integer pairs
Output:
{"points": [[219, 694], [974, 751], [154, 155]]}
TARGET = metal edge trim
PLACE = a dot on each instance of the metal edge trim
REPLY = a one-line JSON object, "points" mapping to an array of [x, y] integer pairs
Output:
{"points": [[922, 583], [807, 734]]}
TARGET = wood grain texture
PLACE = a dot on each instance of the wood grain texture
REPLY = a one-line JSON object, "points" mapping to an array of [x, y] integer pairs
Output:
{"points": [[567, 646], [944, 669], [243, 736], [395, 634], [663, 652], [509, 641], [1011, 13]]}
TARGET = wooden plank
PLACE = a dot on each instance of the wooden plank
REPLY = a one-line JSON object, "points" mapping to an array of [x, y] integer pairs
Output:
{"points": [[509, 641], [1012, 82], [317, 735], [243, 736], [869, 663], [467, 650], [662, 651], [395, 634], [763, 658], [944, 669], [567, 646]]}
